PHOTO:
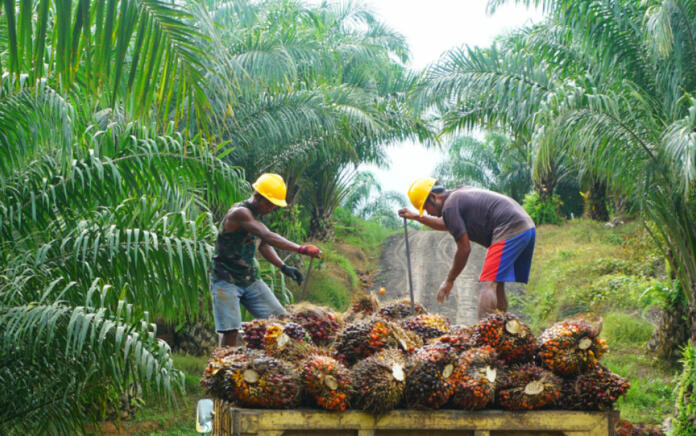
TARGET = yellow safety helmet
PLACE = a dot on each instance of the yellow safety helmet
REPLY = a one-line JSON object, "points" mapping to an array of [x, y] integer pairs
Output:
{"points": [[419, 191], [272, 187]]}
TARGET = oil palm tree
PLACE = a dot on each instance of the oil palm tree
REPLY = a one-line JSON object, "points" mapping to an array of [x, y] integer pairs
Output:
{"points": [[495, 163], [105, 203], [315, 84]]}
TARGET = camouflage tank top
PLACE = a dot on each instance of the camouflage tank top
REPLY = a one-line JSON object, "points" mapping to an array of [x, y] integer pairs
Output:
{"points": [[234, 254]]}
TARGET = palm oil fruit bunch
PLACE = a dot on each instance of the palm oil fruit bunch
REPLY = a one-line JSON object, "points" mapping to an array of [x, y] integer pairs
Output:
{"points": [[262, 381], [474, 378], [378, 382], [254, 333], [427, 326], [281, 345], [327, 382], [528, 387], [363, 306], [297, 332], [320, 323], [461, 340], [221, 359], [360, 339], [401, 309], [571, 347], [428, 373], [625, 428], [597, 389], [511, 338]]}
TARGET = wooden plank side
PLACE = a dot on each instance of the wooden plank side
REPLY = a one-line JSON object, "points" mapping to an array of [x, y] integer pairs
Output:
{"points": [[237, 421]]}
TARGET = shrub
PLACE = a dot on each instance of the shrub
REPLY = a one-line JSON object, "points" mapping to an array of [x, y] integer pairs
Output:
{"points": [[685, 421], [542, 212]]}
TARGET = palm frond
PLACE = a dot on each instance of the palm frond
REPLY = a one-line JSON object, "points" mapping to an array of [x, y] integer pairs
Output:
{"points": [[58, 358]]}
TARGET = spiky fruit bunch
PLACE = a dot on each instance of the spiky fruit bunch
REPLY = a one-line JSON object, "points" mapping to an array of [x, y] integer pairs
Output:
{"points": [[400, 310], [596, 389], [474, 378], [427, 326], [254, 332], [528, 387], [360, 339], [378, 382], [327, 382], [281, 345], [320, 323], [428, 373], [220, 360], [625, 428], [571, 347], [296, 331], [511, 338], [363, 305], [461, 340], [262, 381]]}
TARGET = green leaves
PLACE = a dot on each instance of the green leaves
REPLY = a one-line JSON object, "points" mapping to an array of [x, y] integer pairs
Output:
{"points": [[129, 52], [91, 340]]}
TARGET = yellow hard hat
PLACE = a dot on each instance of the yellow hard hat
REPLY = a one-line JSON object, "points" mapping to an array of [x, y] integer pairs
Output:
{"points": [[272, 187], [419, 191]]}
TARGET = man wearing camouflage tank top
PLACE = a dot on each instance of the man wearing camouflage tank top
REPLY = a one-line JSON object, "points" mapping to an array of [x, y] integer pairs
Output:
{"points": [[234, 279]]}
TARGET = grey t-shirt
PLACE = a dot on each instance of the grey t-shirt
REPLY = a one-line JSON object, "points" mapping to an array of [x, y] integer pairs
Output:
{"points": [[488, 217]]}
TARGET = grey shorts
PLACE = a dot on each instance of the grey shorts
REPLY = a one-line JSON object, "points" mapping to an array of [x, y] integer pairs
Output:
{"points": [[257, 298]]}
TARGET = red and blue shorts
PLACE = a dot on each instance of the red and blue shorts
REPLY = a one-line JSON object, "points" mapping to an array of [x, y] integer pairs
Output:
{"points": [[510, 260]]}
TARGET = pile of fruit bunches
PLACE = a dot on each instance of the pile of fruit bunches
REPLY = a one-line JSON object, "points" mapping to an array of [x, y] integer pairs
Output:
{"points": [[389, 358]]}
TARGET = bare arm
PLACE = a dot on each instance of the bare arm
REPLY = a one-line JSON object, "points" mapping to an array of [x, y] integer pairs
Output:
{"points": [[269, 253], [242, 217], [458, 264], [433, 222], [460, 257]]}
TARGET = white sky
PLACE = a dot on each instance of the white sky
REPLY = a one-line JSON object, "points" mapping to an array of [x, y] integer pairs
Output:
{"points": [[431, 27]]}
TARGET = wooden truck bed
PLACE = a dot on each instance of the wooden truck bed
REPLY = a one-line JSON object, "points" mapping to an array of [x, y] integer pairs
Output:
{"points": [[234, 421]]}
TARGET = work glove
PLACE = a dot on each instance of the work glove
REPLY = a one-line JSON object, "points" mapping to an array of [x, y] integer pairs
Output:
{"points": [[309, 250], [293, 273]]}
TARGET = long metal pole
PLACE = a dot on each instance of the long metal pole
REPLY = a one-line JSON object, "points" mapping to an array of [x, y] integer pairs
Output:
{"points": [[408, 262], [306, 279]]}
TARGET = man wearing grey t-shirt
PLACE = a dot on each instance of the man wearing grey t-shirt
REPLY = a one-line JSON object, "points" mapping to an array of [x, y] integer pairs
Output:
{"points": [[490, 219]]}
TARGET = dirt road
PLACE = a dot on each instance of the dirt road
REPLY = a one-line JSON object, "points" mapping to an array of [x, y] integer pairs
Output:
{"points": [[431, 258]]}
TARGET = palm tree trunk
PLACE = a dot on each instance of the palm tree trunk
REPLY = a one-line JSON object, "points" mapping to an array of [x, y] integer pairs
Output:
{"points": [[545, 188], [320, 226], [596, 202]]}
